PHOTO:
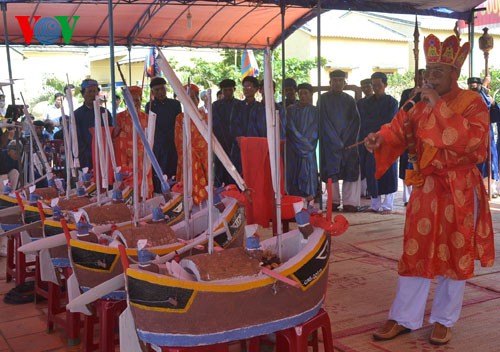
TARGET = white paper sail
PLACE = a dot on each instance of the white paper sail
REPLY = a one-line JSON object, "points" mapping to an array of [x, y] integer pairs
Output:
{"points": [[72, 129], [109, 141], [78, 303], [146, 163], [273, 141], [101, 149], [29, 123], [68, 142], [187, 166], [270, 113]]}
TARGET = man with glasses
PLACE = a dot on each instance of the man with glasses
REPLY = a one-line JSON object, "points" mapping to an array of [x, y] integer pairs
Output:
{"points": [[166, 110], [448, 220]]}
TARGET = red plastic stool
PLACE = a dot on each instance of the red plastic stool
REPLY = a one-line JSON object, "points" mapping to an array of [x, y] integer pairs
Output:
{"points": [[41, 287], [57, 298], [106, 313], [254, 344], [296, 339], [57, 312], [17, 267]]}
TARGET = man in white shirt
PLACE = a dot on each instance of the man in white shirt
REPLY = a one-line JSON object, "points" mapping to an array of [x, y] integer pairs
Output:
{"points": [[53, 112]]}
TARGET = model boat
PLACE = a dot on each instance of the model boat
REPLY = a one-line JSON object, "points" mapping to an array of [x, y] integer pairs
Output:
{"points": [[174, 311], [94, 263]]}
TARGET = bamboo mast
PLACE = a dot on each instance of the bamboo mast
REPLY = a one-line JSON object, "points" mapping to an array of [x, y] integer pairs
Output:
{"points": [[210, 176], [165, 188]]}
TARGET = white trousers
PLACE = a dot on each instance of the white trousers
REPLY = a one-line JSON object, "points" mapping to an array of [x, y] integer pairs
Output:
{"points": [[364, 187], [406, 193], [408, 307], [387, 204], [351, 193]]}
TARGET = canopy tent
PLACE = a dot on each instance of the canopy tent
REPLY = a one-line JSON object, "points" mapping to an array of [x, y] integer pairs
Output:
{"points": [[196, 23]]}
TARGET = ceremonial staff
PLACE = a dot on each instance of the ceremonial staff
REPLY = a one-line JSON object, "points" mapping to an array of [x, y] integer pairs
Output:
{"points": [[416, 37], [486, 44], [407, 126]]}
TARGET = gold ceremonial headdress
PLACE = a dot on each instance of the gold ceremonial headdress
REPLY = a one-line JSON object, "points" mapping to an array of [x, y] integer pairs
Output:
{"points": [[448, 52]]}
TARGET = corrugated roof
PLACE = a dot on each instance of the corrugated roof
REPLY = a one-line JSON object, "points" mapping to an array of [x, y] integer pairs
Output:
{"points": [[340, 24], [370, 25], [427, 22]]}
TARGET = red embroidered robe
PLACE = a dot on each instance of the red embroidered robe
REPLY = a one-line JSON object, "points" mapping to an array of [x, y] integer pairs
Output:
{"points": [[124, 148], [448, 220], [199, 155]]}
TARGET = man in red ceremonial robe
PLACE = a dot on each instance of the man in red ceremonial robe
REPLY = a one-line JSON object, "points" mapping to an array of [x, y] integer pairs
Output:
{"points": [[122, 135], [448, 221], [199, 150]]}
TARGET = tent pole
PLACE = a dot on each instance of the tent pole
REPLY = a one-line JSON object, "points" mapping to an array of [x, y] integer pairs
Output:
{"points": [[112, 58], [471, 41], [9, 64], [283, 97], [130, 64], [318, 46], [22, 176]]}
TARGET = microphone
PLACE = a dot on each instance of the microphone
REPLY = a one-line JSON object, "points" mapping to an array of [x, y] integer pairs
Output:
{"points": [[410, 103]]}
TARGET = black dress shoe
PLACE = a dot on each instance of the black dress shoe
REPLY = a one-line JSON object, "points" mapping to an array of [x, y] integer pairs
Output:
{"points": [[349, 208]]}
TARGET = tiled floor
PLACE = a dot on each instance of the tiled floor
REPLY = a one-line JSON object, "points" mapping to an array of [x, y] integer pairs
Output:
{"points": [[362, 280]]}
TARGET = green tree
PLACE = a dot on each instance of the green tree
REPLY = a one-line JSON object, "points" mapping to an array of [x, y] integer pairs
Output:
{"points": [[495, 83], [209, 74], [51, 86], [397, 82]]}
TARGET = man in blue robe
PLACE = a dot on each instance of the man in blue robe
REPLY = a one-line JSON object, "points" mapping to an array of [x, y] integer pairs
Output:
{"points": [[301, 142], [476, 84], [84, 120], [290, 90], [248, 119], [221, 110], [367, 91], [376, 111], [339, 128], [166, 110]]}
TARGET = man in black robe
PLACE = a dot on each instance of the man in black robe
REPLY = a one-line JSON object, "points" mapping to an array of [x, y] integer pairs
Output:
{"points": [[166, 110]]}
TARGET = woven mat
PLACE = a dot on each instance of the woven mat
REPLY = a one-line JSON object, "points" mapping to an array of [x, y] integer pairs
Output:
{"points": [[359, 296], [475, 332], [362, 282]]}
